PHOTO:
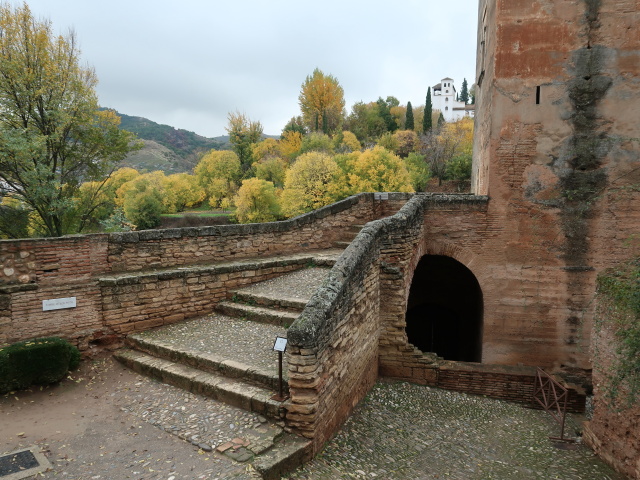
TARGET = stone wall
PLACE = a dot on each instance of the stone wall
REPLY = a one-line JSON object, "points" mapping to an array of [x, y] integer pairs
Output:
{"points": [[129, 281], [614, 430]]}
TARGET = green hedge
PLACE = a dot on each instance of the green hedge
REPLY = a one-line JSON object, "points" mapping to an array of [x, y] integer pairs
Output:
{"points": [[40, 361]]}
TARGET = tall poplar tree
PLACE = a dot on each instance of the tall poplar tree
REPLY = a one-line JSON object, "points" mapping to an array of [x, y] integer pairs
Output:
{"points": [[408, 123], [321, 102], [427, 123], [464, 92]]}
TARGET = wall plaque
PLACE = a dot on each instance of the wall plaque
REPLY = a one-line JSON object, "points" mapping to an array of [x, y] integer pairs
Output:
{"points": [[58, 303]]}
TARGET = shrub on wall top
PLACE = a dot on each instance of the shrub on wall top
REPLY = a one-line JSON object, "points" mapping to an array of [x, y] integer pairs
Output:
{"points": [[40, 361]]}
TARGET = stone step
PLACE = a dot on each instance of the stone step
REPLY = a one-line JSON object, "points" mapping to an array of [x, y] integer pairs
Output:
{"points": [[207, 362], [288, 454], [258, 314], [277, 300], [228, 390], [341, 244]]}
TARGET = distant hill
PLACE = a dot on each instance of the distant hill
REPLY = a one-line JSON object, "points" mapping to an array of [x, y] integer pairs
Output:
{"points": [[167, 148]]}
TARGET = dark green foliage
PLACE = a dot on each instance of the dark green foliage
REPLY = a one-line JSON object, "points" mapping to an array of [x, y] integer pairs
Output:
{"points": [[146, 210], [464, 92], [384, 111], [441, 120], [427, 123], [409, 124], [41, 361], [622, 289], [296, 124], [14, 221]]}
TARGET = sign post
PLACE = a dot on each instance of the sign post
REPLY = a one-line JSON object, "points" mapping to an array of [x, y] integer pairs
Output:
{"points": [[280, 346]]}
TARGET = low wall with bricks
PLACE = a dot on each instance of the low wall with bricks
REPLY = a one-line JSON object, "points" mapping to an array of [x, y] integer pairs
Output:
{"points": [[129, 281]]}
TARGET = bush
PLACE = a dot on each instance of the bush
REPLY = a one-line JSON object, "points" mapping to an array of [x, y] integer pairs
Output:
{"points": [[40, 361]]}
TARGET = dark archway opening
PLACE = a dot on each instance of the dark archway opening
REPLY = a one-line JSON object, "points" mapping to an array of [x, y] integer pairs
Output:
{"points": [[445, 310]]}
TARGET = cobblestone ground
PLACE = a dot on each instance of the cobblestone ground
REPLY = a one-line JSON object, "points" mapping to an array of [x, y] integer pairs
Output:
{"points": [[405, 431]]}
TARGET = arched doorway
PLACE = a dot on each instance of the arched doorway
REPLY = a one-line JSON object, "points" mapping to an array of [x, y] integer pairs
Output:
{"points": [[445, 309]]}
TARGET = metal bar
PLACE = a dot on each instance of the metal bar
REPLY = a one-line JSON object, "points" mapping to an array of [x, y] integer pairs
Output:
{"points": [[545, 392]]}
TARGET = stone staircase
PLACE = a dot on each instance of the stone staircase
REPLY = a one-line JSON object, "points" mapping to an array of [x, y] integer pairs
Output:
{"points": [[228, 355], [349, 235]]}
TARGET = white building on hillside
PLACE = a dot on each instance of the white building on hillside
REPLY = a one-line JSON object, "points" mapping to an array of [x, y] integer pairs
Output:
{"points": [[443, 98]]}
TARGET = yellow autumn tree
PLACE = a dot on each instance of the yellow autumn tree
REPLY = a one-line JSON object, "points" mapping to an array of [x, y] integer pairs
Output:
{"points": [[350, 141], [312, 182], [377, 170], [184, 191], [256, 202], [322, 102], [290, 143], [218, 172], [269, 147]]}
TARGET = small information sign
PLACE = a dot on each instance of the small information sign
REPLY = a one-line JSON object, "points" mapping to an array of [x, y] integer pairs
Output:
{"points": [[280, 345], [58, 303]]}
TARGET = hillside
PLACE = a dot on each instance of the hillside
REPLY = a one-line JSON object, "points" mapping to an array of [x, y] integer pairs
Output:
{"points": [[166, 148]]}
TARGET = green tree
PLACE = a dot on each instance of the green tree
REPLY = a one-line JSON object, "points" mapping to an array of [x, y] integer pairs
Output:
{"points": [[322, 102], [256, 202], [144, 199], [53, 136], [441, 120], [446, 142], [316, 142], [365, 123], [243, 133], [418, 171], [464, 92], [296, 124], [427, 123], [384, 111], [472, 94], [14, 218], [408, 123]]}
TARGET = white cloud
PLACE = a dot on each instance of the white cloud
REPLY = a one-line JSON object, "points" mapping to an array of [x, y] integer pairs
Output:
{"points": [[188, 64]]}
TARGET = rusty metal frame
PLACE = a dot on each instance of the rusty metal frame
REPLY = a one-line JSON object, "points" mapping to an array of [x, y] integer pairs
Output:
{"points": [[552, 396]]}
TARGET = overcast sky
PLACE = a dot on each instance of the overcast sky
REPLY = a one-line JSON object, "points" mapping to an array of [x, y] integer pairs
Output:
{"points": [[188, 63]]}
